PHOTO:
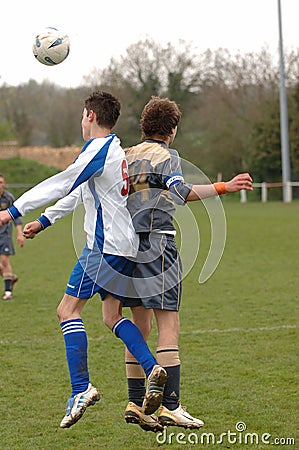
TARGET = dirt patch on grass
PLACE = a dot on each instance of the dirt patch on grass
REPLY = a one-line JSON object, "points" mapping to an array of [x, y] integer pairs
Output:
{"points": [[59, 158]]}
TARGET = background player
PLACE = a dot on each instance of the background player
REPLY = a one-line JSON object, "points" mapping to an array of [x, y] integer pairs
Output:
{"points": [[6, 241]]}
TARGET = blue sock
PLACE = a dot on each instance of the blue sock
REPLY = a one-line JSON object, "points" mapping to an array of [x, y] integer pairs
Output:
{"points": [[135, 343], [76, 353]]}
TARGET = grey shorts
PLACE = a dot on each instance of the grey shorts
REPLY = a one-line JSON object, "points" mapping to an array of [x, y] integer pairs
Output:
{"points": [[6, 245], [157, 276]]}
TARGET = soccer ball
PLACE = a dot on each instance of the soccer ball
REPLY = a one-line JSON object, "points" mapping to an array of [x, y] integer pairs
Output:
{"points": [[51, 47]]}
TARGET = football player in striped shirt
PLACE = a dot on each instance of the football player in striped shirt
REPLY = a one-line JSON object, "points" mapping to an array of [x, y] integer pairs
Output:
{"points": [[98, 178]]}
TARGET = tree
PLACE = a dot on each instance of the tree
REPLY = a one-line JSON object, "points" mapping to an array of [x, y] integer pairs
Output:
{"points": [[147, 69], [6, 131], [64, 116]]}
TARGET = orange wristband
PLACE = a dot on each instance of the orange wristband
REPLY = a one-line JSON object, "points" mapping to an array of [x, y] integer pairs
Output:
{"points": [[220, 188]]}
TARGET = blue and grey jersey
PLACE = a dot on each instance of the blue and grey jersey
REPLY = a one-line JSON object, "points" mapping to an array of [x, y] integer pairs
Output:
{"points": [[156, 184], [6, 201]]}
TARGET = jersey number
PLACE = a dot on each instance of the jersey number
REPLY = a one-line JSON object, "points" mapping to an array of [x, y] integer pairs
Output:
{"points": [[124, 171]]}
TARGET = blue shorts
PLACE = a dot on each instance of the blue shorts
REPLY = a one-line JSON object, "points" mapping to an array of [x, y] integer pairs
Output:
{"points": [[100, 273]]}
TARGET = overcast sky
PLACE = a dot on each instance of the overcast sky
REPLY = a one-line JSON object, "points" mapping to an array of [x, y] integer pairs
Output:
{"points": [[100, 30]]}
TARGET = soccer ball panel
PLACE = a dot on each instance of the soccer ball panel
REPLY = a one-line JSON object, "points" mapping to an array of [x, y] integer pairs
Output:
{"points": [[51, 47]]}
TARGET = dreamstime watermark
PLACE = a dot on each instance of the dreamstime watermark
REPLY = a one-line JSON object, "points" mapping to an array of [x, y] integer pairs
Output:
{"points": [[189, 231], [239, 436]]}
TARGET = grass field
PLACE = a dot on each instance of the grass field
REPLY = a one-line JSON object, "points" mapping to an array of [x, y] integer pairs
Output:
{"points": [[238, 345]]}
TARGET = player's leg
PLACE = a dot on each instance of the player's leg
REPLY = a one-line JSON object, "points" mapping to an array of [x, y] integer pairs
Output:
{"points": [[72, 326], [14, 276], [142, 318], [115, 282], [166, 271], [131, 336], [168, 325], [171, 412], [7, 276], [83, 393]]}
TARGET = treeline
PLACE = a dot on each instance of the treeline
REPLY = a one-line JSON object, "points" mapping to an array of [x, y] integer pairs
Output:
{"points": [[230, 105]]}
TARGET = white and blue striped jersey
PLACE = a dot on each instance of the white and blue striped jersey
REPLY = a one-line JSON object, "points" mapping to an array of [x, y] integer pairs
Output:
{"points": [[99, 179]]}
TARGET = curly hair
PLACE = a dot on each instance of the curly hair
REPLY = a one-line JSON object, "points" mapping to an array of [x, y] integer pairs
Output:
{"points": [[159, 117]]}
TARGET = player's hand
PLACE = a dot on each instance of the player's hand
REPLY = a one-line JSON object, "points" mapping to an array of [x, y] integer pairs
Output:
{"points": [[4, 217], [239, 182], [31, 229], [20, 240]]}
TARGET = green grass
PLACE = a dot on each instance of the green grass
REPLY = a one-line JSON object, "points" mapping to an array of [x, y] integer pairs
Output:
{"points": [[24, 171], [238, 342]]}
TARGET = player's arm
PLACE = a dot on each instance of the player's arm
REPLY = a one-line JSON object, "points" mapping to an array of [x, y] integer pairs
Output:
{"points": [[185, 192], [201, 191], [60, 185], [17, 223], [20, 237], [4, 217], [4, 214], [171, 176], [62, 208]]}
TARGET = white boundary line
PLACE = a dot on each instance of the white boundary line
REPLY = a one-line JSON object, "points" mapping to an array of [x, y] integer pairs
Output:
{"points": [[214, 331], [239, 330]]}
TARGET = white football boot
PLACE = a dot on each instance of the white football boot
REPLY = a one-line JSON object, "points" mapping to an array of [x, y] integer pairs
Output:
{"points": [[178, 417], [77, 405]]}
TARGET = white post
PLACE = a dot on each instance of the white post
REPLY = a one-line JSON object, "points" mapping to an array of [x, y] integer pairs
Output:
{"points": [[284, 126], [243, 196], [264, 192], [288, 192]]}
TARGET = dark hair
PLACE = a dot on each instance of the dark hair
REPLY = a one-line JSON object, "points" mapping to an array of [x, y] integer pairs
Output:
{"points": [[2, 176], [159, 117], [105, 106]]}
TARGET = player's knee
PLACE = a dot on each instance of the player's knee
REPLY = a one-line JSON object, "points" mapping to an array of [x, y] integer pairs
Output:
{"points": [[6, 265], [110, 317], [106, 322], [143, 319], [146, 328], [109, 320], [62, 311], [59, 312]]}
